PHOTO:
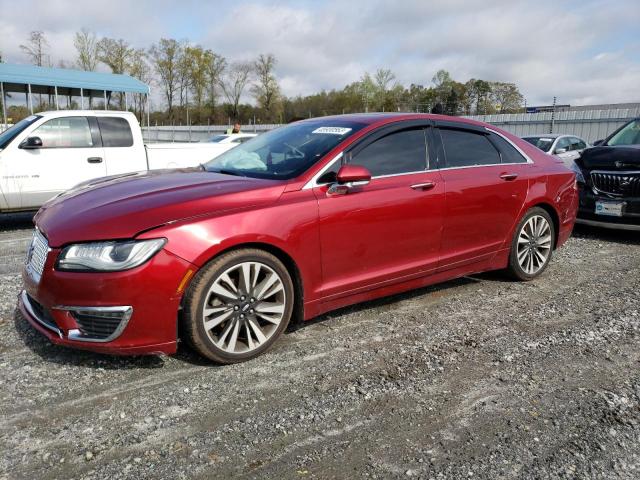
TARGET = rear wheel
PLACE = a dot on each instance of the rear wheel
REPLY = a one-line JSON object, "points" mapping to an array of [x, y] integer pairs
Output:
{"points": [[532, 245], [238, 306]]}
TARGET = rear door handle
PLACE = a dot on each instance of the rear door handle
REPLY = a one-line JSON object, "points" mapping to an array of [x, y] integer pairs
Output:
{"points": [[509, 176], [423, 186], [94, 159]]}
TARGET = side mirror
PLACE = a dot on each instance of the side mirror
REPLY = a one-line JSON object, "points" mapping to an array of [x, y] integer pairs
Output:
{"points": [[31, 143], [560, 150], [349, 176], [598, 142]]}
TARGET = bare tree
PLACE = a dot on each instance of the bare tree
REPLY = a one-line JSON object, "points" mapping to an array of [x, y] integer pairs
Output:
{"points": [[266, 89], [384, 82], [116, 54], [197, 62], [86, 45], [139, 68], [165, 56], [217, 67], [234, 83], [36, 49]]}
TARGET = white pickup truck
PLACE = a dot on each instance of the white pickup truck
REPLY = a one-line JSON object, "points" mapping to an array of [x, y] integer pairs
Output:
{"points": [[50, 152]]}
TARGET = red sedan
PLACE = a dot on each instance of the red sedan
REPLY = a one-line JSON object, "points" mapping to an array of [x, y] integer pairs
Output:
{"points": [[304, 219]]}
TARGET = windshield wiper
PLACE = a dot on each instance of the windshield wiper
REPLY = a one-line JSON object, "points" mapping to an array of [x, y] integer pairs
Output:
{"points": [[229, 172]]}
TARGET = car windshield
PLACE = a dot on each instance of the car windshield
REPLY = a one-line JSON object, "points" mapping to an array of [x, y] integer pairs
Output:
{"points": [[217, 138], [543, 143], [628, 135], [13, 132], [285, 152]]}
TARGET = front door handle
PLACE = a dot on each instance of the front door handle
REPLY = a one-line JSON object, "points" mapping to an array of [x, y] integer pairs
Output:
{"points": [[423, 186], [509, 176], [94, 159]]}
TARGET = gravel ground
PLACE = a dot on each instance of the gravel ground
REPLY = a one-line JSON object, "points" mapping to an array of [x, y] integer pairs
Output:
{"points": [[475, 378]]}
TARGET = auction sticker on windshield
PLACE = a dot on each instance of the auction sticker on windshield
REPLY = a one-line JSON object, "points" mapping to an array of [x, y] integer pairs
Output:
{"points": [[332, 130]]}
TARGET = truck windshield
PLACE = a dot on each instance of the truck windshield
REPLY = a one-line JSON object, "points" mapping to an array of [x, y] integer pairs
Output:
{"points": [[285, 152], [14, 131], [628, 135]]}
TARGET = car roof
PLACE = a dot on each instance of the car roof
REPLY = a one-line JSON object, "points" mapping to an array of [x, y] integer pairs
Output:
{"points": [[379, 118], [550, 135], [80, 113]]}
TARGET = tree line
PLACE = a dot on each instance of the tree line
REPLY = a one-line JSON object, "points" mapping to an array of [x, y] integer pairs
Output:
{"points": [[200, 86]]}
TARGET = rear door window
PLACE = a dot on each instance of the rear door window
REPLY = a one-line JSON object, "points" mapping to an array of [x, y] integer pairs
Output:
{"points": [[508, 152], [464, 148], [115, 132], [399, 152]]}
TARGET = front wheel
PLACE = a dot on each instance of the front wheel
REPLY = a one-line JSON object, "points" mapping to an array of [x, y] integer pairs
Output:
{"points": [[238, 306], [532, 245]]}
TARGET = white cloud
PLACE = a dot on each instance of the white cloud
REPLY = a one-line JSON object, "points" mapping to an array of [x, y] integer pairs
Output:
{"points": [[581, 52]]}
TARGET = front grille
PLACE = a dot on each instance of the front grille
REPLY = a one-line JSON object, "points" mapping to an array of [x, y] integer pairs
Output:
{"points": [[617, 184], [99, 324], [37, 255]]}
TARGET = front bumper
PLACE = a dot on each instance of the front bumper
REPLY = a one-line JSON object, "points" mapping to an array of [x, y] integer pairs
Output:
{"points": [[630, 219], [146, 299]]}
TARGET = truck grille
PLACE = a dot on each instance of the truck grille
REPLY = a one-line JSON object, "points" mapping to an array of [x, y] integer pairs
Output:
{"points": [[37, 255], [617, 184]]}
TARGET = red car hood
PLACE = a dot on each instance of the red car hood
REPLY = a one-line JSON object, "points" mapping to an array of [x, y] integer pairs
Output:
{"points": [[125, 205]]}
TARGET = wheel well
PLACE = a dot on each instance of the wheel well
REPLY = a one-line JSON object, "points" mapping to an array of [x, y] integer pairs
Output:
{"points": [[556, 220], [298, 305]]}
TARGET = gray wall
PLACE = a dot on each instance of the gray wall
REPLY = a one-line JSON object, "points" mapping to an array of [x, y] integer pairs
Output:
{"points": [[591, 125]]}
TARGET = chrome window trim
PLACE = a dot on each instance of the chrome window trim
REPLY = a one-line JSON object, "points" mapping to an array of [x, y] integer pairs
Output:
{"points": [[75, 334], [484, 165], [313, 182], [526, 157]]}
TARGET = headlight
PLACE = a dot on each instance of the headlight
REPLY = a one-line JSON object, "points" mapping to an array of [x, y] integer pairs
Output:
{"points": [[108, 256], [579, 175]]}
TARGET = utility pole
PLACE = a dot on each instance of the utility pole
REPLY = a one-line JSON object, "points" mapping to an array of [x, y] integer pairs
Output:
{"points": [[553, 114]]}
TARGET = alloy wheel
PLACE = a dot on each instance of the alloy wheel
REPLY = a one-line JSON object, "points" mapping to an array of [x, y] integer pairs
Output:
{"points": [[244, 307], [534, 244]]}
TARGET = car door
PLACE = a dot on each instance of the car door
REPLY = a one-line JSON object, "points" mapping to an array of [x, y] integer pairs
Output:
{"points": [[486, 182], [70, 153], [385, 230]]}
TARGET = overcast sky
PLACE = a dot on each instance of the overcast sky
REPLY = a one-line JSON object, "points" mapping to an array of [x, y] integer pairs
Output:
{"points": [[584, 52]]}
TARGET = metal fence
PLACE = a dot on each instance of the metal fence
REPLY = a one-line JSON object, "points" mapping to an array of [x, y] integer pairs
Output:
{"points": [[195, 133], [591, 125]]}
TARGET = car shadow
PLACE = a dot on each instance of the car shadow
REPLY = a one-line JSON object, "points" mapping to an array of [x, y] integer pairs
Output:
{"points": [[16, 221], [606, 234], [388, 301], [56, 354]]}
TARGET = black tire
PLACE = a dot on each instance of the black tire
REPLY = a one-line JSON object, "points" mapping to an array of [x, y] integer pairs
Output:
{"points": [[515, 269], [193, 306]]}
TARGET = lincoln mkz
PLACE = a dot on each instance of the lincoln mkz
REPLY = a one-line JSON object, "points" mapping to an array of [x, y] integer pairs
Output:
{"points": [[304, 219]]}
